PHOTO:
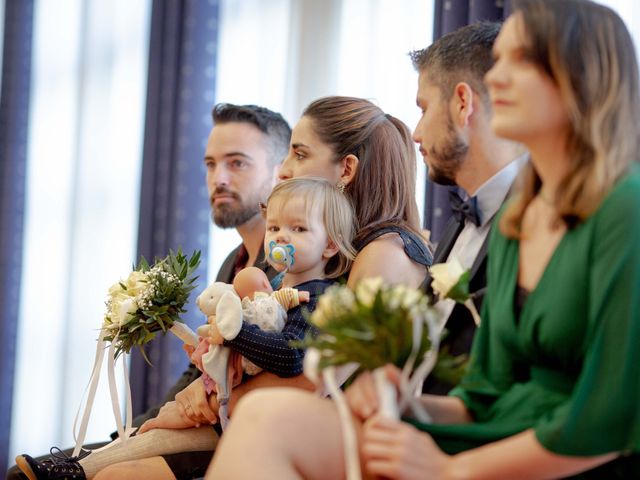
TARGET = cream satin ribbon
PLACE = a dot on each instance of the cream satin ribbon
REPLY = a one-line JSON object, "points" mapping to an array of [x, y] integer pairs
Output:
{"points": [[179, 329], [124, 430]]}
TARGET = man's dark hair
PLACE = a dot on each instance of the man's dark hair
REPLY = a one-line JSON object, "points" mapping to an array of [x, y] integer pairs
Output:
{"points": [[272, 124], [463, 55]]}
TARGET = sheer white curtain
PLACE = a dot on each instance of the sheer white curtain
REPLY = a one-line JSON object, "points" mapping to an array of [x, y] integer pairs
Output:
{"points": [[84, 154], [285, 53]]}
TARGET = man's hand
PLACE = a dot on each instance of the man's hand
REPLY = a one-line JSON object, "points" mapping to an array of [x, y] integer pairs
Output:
{"points": [[194, 404], [171, 415]]}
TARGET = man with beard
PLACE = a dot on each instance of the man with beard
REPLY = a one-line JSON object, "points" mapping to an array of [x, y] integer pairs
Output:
{"points": [[459, 149], [244, 150]]}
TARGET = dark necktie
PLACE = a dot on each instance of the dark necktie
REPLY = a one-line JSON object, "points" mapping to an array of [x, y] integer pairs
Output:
{"points": [[464, 210]]}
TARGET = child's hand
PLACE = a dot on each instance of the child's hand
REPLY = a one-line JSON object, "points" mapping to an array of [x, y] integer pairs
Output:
{"points": [[189, 349], [303, 296], [214, 335]]}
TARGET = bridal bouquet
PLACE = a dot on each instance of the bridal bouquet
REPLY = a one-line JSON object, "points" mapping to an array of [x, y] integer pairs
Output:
{"points": [[376, 324], [150, 300], [364, 329], [369, 327], [372, 325]]}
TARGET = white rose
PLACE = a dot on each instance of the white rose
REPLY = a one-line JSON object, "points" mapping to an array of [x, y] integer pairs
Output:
{"points": [[367, 289], [345, 298], [445, 276], [411, 298], [115, 289], [318, 318], [393, 298], [335, 301], [123, 309], [323, 309], [136, 283]]}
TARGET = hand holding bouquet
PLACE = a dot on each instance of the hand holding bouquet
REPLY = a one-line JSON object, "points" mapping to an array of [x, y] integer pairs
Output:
{"points": [[150, 300], [374, 325]]}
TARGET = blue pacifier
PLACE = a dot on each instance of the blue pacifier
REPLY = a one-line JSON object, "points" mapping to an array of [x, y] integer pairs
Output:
{"points": [[281, 255]]}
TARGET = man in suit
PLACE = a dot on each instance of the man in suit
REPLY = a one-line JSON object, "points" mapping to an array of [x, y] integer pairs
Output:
{"points": [[459, 149], [245, 147], [244, 150]]}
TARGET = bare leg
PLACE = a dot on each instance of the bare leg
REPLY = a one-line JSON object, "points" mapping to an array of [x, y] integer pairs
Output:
{"points": [[154, 468], [150, 444], [284, 434]]}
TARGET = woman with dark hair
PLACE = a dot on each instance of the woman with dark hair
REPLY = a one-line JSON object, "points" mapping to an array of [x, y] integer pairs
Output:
{"points": [[369, 155], [552, 389]]}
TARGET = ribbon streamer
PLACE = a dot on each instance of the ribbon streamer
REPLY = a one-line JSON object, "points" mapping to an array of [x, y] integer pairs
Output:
{"points": [[352, 459], [124, 431]]}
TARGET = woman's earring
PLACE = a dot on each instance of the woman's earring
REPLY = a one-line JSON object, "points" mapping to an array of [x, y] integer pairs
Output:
{"points": [[340, 186]]}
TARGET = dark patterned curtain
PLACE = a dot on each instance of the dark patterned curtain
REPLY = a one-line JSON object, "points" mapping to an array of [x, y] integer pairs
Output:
{"points": [[449, 16], [14, 122], [174, 207]]}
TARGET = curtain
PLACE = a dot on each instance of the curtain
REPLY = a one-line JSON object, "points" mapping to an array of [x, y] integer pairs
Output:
{"points": [[449, 16], [14, 113], [174, 206]]}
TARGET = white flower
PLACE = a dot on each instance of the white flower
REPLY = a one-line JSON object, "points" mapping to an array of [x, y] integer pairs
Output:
{"points": [[446, 276], [334, 302], [411, 298], [136, 283], [367, 289], [120, 311], [115, 289], [402, 296]]}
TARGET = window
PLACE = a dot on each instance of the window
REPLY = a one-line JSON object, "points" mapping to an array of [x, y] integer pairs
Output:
{"points": [[283, 54], [84, 158]]}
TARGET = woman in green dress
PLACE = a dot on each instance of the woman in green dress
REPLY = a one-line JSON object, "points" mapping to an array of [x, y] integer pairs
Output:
{"points": [[552, 389]]}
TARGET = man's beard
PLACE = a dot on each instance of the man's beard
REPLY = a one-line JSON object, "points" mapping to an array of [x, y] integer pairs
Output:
{"points": [[231, 215], [448, 158]]}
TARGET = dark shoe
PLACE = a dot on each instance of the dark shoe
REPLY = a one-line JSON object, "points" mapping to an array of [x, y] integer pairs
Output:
{"points": [[56, 467]]}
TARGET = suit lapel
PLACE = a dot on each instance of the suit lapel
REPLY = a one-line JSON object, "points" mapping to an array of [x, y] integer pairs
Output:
{"points": [[480, 257], [447, 241]]}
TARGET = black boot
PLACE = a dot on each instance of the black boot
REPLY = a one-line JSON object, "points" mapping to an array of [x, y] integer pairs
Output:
{"points": [[56, 467]]}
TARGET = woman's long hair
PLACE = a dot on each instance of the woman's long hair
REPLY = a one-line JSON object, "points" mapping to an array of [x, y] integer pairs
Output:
{"points": [[383, 188], [587, 51]]}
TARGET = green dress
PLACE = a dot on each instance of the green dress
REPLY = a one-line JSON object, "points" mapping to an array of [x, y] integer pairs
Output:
{"points": [[569, 366]]}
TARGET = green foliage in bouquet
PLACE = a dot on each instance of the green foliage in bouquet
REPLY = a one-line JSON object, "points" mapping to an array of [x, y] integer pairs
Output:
{"points": [[150, 300], [372, 325]]}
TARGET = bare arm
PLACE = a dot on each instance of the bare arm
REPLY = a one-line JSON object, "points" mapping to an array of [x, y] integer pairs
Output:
{"points": [[385, 257], [522, 456], [398, 450], [363, 400]]}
